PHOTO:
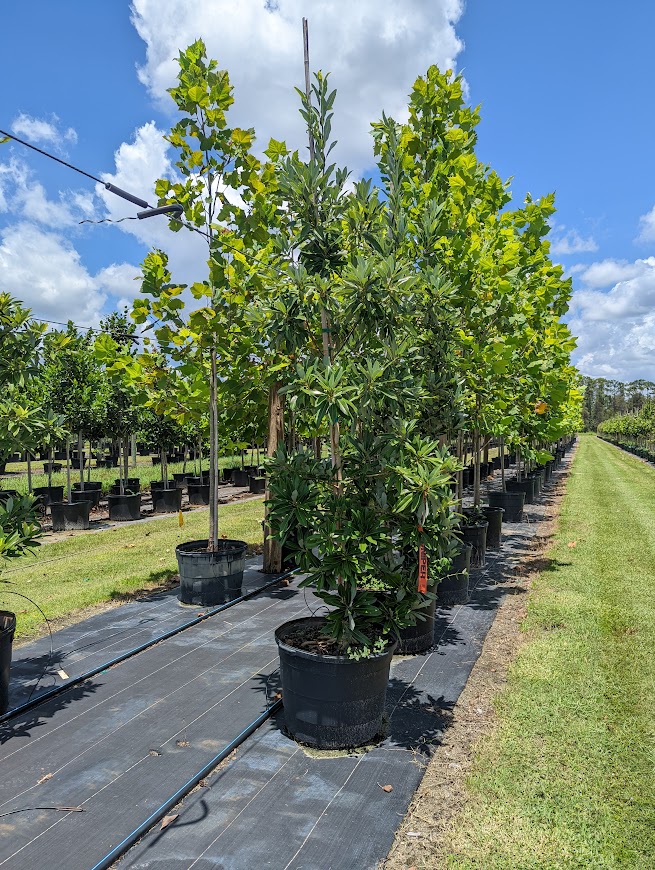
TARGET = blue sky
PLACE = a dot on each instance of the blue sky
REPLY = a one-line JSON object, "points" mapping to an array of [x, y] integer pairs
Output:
{"points": [[566, 102]]}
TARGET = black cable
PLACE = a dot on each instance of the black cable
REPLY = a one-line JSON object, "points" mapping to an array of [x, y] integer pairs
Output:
{"points": [[51, 156], [30, 809]]}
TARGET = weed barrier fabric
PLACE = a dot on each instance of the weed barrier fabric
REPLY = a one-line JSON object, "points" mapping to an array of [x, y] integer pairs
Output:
{"points": [[123, 744], [85, 645]]}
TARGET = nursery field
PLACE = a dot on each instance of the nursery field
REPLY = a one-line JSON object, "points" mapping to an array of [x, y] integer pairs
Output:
{"points": [[568, 778], [112, 565]]}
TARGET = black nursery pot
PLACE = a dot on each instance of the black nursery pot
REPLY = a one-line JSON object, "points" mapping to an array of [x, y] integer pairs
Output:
{"points": [[511, 502], [454, 588], [331, 702], [51, 466], [90, 495], [525, 486], [180, 479], [227, 474], [210, 578], [88, 484], [538, 479], [166, 501], [258, 485], [47, 494], [494, 517], [7, 629], [476, 536], [198, 493], [132, 483], [124, 507], [420, 637], [70, 516], [161, 484], [467, 477], [240, 477]]}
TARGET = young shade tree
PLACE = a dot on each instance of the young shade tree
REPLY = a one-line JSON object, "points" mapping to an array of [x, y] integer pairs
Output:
{"points": [[223, 191]]}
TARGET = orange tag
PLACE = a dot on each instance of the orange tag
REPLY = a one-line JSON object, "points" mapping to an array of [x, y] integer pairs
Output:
{"points": [[422, 570]]}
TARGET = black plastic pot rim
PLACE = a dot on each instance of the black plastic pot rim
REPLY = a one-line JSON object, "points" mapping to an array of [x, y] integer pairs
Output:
{"points": [[228, 547], [324, 657]]}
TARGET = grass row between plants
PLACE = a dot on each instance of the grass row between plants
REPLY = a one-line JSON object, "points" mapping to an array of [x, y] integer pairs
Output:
{"points": [[97, 567], [568, 778]]}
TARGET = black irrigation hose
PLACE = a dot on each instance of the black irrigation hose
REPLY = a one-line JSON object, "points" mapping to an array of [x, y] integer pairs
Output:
{"points": [[74, 681], [182, 792]]}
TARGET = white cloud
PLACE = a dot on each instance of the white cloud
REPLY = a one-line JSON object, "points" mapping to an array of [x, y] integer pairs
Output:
{"points": [[616, 328], [563, 244], [374, 49], [45, 271], [27, 199], [647, 227], [138, 165], [39, 130]]}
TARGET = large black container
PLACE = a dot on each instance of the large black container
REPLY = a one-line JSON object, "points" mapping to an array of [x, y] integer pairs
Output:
{"points": [[7, 629], [51, 466], [331, 702], [180, 479], [198, 493], [526, 486], [454, 588], [240, 477], [71, 516], [210, 578], [88, 484], [47, 494], [494, 517], [90, 495], [166, 501], [511, 502], [227, 475], [124, 507], [467, 477], [132, 483], [538, 480], [476, 536], [258, 485], [420, 637], [160, 484], [75, 463]]}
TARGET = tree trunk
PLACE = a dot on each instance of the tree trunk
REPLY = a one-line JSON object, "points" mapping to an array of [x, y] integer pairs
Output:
{"points": [[213, 455], [68, 467], [29, 471], [502, 463], [460, 474], [51, 456], [272, 548], [80, 451], [133, 450], [476, 473], [126, 459]]}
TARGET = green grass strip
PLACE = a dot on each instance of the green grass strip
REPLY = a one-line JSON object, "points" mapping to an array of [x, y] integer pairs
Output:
{"points": [[96, 567], [568, 778]]}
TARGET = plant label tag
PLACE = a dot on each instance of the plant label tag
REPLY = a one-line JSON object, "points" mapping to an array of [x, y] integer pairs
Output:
{"points": [[422, 570]]}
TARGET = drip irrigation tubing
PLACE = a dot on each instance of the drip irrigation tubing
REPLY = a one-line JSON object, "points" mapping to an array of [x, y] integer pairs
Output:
{"points": [[184, 790], [87, 675]]}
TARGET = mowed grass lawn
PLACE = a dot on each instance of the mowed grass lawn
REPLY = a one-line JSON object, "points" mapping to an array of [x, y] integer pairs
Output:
{"points": [[88, 569], [568, 779]]}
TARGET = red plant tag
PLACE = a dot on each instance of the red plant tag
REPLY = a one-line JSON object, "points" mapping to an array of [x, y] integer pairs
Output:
{"points": [[422, 569]]}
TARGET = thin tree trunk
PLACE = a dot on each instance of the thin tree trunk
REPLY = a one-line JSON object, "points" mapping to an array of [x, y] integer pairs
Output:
{"points": [[460, 474], [126, 460], [502, 463], [68, 467], [51, 455], [88, 468], [476, 472], [80, 452], [213, 457], [133, 450], [29, 471], [272, 548]]}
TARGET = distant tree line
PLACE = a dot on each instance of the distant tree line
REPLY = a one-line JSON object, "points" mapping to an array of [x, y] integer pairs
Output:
{"points": [[604, 399]]}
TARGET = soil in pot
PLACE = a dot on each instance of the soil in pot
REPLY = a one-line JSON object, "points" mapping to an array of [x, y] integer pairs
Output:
{"points": [[420, 637], [208, 578], [476, 536], [7, 629], [454, 588], [47, 494], [330, 701], [90, 495], [124, 507], [494, 517], [511, 502], [167, 501], [198, 493], [68, 517]]}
